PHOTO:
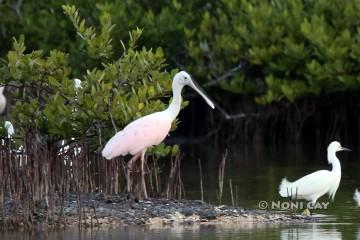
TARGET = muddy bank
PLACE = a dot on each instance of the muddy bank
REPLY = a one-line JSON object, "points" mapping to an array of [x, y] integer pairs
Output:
{"points": [[97, 210]]}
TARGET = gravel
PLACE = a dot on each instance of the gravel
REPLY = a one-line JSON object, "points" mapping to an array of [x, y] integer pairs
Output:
{"points": [[101, 210]]}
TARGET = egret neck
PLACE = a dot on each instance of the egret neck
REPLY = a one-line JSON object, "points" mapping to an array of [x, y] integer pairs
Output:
{"points": [[336, 168], [175, 105]]}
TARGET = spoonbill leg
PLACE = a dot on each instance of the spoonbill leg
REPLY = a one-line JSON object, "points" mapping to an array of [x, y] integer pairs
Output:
{"points": [[143, 185], [130, 165]]}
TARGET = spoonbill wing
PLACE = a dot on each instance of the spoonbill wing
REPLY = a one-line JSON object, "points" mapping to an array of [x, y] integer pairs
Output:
{"points": [[142, 133]]}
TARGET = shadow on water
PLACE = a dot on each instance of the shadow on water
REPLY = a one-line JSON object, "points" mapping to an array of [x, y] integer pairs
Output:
{"points": [[255, 172]]}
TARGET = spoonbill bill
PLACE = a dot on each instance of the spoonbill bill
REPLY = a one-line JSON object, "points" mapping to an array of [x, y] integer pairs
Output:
{"points": [[314, 185], [2, 99], [149, 130]]}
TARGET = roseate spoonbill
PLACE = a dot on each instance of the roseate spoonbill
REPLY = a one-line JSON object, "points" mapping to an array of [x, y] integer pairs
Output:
{"points": [[149, 130], [316, 184], [2, 99], [357, 197]]}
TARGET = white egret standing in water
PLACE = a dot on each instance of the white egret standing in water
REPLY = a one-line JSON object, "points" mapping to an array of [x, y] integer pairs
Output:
{"points": [[313, 186]]}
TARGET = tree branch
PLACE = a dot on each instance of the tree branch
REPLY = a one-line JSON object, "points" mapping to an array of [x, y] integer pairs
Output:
{"points": [[226, 75]]}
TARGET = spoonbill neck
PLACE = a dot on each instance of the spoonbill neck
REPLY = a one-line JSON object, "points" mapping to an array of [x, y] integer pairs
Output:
{"points": [[336, 167], [175, 105]]}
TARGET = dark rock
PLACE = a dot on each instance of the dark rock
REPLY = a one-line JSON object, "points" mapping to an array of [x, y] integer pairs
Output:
{"points": [[187, 211], [208, 215]]}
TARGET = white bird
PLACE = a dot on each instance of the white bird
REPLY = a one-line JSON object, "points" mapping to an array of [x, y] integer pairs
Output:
{"points": [[357, 197], [77, 84], [9, 128], [313, 186], [2, 99]]}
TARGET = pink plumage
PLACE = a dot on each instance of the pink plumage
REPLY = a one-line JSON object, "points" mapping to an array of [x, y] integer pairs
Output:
{"points": [[144, 132], [149, 130]]}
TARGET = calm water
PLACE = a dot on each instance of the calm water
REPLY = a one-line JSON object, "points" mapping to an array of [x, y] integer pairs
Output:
{"points": [[256, 172]]}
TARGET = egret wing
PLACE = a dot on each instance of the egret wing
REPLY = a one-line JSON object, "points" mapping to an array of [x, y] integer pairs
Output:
{"points": [[315, 183]]}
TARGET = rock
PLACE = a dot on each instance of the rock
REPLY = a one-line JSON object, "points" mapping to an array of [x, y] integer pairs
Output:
{"points": [[208, 215]]}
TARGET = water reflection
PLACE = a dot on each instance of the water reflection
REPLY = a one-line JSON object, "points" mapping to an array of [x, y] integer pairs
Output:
{"points": [[311, 231], [199, 231]]}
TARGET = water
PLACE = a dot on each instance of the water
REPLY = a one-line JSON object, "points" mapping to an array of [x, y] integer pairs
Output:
{"points": [[255, 172]]}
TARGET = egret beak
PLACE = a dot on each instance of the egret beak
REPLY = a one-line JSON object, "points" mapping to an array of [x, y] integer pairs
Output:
{"points": [[197, 89], [344, 149]]}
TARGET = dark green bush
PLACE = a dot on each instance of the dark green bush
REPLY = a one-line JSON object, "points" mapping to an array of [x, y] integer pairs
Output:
{"points": [[271, 49], [285, 49], [114, 92]]}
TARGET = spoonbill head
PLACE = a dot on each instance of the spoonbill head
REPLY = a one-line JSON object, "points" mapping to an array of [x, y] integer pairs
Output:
{"points": [[314, 185], [149, 130], [183, 78], [2, 99]]}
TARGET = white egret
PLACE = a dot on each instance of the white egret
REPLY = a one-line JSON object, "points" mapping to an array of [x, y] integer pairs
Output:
{"points": [[313, 186], [77, 84], [9, 128], [2, 99], [357, 197]]}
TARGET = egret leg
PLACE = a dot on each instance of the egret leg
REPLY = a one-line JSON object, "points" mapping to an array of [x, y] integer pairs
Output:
{"points": [[143, 185], [129, 170], [306, 212]]}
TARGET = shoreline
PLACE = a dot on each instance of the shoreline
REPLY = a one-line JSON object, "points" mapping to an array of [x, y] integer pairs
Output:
{"points": [[98, 210]]}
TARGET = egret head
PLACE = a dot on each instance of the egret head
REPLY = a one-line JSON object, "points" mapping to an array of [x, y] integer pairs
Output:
{"points": [[2, 89], [335, 147], [183, 78]]}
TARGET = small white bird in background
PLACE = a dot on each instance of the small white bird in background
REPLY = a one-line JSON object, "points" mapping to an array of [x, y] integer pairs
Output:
{"points": [[77, 84], [2, 99], [357, 197], [313, 186], [9, 128]]}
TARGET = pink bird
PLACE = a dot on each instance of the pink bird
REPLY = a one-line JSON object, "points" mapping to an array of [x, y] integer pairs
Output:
{"points": [[149, 130]]}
